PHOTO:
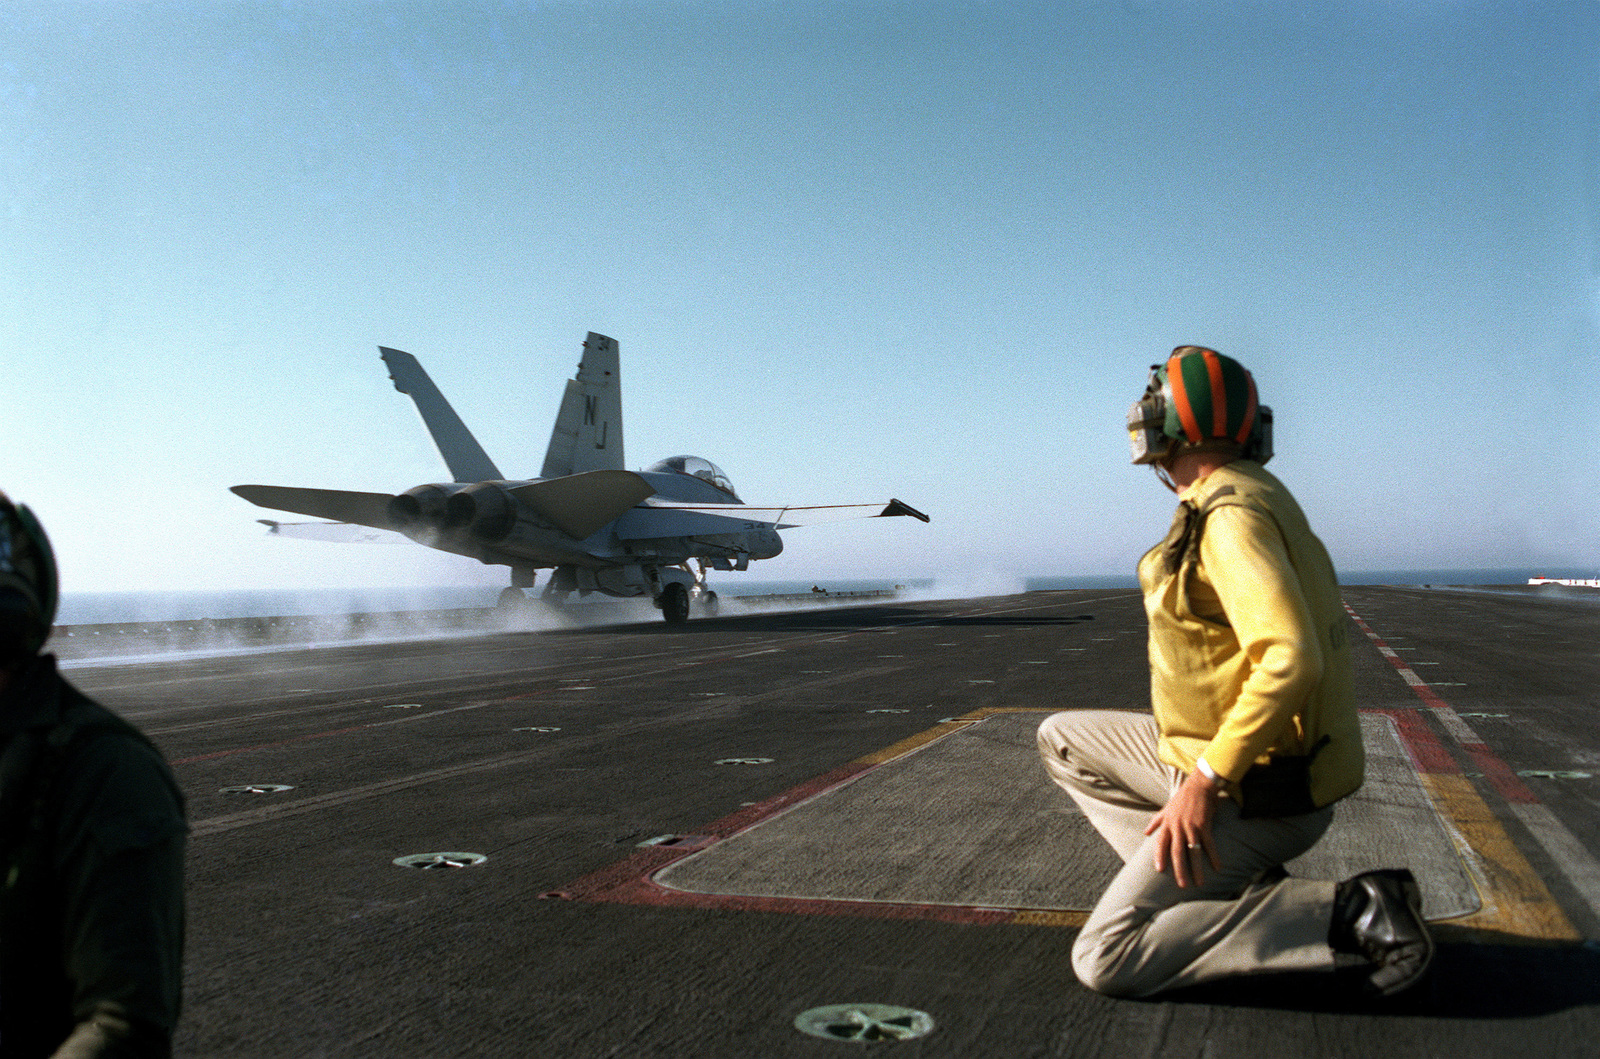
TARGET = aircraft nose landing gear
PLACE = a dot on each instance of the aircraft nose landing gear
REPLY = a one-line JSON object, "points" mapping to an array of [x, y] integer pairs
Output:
{"points": [[707, 601]]}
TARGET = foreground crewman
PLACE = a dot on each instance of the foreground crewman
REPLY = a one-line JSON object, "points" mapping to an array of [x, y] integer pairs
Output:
{"points": [[91, 846], [1253, 736]]}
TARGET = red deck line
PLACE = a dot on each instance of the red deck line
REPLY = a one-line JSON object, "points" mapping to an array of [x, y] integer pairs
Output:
{"points": [[631, 880], [1506, 782], [1427, 752]]}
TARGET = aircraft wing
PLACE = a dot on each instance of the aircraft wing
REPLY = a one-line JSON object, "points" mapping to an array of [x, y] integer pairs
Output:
{"points": [[647, 522], [364, 509], [580, 504], [338, 532], [693, 520]]}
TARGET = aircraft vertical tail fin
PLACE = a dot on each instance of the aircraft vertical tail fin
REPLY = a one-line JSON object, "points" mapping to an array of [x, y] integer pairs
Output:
{"points": [[588, 431], [462, 453]]}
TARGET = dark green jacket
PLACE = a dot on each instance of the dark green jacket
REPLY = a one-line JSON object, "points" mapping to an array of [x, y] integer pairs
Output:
{"points": [[91, 899]]}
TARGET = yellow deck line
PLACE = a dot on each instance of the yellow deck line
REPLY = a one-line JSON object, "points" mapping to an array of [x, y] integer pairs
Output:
{"points": [[916, 742], [939, 731], [1516, 902], [1037, 918]]}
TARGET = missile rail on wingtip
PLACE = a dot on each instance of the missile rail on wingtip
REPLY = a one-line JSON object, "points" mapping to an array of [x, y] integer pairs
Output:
{"points": [[595, 525]]}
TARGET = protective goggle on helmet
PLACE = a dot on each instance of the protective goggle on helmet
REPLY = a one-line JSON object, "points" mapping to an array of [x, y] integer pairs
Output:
{"points": [[29, 589], [1199, 396]]}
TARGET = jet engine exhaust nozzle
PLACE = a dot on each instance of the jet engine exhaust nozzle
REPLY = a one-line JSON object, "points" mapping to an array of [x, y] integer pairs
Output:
{"points": [[424, 504], [486, 511], [404, 510]]}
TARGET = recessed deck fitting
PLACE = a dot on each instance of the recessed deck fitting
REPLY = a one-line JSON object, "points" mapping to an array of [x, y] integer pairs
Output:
{"points": [[864, 1023], [684, 842], [428, 861]]}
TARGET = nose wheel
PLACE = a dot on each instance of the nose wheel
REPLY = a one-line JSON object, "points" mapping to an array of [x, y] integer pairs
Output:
{"points": [[707, 601]]}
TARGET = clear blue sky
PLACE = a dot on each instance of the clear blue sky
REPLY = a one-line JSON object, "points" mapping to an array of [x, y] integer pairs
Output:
{"points": [[851, 250]]}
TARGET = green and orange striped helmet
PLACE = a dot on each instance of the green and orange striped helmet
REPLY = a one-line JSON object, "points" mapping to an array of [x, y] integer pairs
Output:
{"points": [[1199, 397]]}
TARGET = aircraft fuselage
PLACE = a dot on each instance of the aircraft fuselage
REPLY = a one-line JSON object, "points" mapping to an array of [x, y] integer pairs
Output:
{"points": [[487, 521]]}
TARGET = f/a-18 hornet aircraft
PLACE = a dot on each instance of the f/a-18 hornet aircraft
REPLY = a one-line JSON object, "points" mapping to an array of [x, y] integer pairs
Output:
{"points": [[601, 528]]}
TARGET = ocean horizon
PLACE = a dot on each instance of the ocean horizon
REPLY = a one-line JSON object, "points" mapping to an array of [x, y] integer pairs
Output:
{"points": [[100, 608]]}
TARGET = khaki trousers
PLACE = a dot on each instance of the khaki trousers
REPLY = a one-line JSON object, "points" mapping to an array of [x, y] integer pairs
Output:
{"points": [[1146, 935]]}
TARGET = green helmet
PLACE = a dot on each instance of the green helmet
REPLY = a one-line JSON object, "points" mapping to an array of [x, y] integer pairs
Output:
{"points": [[1199, 398], [29, 590]]}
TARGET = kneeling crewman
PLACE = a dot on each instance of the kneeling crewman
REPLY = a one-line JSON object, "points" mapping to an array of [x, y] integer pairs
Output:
{"points": [[1253, 736]]}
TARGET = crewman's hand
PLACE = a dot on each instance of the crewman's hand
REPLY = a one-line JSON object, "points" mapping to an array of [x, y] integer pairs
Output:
{"points": [[1183, 830]]}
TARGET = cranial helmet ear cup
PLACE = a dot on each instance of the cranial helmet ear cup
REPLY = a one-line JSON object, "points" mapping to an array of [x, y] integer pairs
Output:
{"points": [[28, 581], [19, 622]]}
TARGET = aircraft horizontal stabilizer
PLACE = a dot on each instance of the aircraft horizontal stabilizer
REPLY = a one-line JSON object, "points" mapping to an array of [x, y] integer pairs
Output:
{"points": [[337, 532], [364, 509], [580, 504]]}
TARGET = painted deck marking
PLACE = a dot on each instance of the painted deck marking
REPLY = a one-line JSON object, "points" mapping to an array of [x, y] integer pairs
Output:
{"points": [[1512, 898], [1516, 900]]}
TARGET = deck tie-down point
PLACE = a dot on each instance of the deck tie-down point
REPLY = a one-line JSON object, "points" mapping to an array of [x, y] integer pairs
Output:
{"points": [[864, 1022], [427, 861]]}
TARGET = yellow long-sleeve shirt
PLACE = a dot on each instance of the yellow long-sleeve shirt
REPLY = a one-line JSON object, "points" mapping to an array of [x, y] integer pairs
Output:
{"points": [[1249, 645]]}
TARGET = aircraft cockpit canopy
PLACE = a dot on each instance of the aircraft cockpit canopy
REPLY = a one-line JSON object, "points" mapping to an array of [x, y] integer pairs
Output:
{"points": [[695, 467]]}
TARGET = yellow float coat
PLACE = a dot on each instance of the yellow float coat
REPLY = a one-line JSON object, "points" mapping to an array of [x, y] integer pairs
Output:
{"points": [[1249, 644]]}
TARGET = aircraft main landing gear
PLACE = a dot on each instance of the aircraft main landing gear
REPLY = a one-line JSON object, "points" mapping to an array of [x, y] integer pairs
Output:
{"points": [[674, 603], [514, 606]]}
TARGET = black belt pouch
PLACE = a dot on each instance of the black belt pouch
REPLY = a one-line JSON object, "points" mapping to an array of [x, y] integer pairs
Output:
{"points": [[1281, 787]]}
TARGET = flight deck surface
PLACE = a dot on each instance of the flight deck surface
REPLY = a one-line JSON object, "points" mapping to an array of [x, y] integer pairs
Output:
{"points": [[692, 834]]}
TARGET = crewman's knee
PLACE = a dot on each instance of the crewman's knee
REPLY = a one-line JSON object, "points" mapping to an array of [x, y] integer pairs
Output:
{"points": [[1056, 733], [1101, 965]]}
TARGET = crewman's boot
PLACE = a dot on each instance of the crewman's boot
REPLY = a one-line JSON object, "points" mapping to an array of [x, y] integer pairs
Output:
{"points": [[1378, 915]]}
